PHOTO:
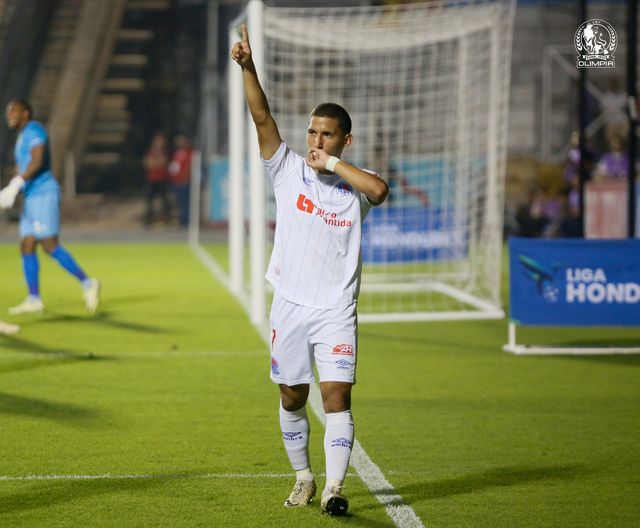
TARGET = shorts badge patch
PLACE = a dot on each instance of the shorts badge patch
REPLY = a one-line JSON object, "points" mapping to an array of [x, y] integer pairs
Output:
{"points": [[275, 368], [343, 350]]}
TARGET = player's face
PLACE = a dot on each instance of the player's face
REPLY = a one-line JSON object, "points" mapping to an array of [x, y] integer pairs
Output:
{"points": [[324, 133], [16, 115]]}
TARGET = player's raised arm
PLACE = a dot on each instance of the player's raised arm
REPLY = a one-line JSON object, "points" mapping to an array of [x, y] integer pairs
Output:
{"points": [[268, 134]]}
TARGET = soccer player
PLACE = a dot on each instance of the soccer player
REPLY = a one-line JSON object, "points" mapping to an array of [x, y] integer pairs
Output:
{"points": [[40, 218], [315, 268]]}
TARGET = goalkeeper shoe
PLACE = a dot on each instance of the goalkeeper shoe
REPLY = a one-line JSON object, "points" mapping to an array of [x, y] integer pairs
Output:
{"points": [[31, 305], [303, 493], [92, 295], [333, 502], [8, 329]]}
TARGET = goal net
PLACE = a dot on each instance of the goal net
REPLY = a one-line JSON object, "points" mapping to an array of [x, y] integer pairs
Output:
{"points": [[427, 86]]}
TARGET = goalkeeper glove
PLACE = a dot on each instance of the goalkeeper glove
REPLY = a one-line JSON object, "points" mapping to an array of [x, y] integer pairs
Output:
{"points": [[9, 193]]}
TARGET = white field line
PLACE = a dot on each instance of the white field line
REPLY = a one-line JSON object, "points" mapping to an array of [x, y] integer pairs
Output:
{"points": [[402, 515], [133, 476]]}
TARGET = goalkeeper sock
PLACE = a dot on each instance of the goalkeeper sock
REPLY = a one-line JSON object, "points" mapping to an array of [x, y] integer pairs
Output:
{"points": [[31, 269], [66, 260], [295, 434], [338, 442]]}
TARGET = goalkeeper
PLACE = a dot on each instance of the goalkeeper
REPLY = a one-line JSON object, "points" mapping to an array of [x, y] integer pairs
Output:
{"points": [[40, 218], [315, 269]]}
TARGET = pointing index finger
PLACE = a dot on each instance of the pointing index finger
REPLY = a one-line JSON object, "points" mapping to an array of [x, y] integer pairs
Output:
{"points": [[245, 34]]}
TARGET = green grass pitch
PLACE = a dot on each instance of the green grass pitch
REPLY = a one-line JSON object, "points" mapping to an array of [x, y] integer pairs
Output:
{"points": [[158, 411]]}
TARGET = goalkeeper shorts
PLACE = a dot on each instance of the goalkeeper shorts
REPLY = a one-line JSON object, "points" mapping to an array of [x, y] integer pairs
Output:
{"points": [[40, 216], [302, 336]]}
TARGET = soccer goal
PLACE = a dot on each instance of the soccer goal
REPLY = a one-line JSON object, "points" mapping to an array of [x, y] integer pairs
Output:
{"points": [[427, 87]]}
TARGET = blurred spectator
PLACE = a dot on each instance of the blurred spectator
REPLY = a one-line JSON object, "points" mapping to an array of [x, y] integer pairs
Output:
{"points": [[539, 214], [180, 176], [155, 162], [572, 164], [613, 164], [569, 224]]}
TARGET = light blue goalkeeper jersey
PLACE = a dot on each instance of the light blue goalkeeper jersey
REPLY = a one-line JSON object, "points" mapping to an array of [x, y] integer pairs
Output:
{"points": [[32, 135]]}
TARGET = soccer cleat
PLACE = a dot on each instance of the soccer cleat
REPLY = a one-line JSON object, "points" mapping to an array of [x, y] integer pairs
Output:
{"points": [[92, 295], [29, 306], [8, 329], [333, 502], [303, 493]]}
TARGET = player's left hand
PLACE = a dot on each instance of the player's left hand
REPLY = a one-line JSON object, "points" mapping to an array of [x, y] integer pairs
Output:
{"points": [[317, 158], [10, 192]]}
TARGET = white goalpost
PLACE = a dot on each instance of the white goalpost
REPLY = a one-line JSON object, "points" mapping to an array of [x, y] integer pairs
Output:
{"points": [[427, 88]]}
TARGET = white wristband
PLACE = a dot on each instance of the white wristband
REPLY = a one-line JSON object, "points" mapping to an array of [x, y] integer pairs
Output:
{"points": [[331, 163], [17, 182]]}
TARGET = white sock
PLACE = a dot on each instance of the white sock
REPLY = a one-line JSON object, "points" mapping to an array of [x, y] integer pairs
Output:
{"points": [[338, 442], [295, 435], [304, 474]]}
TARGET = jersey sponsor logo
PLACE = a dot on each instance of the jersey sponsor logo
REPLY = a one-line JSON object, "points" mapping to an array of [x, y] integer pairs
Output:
{"points": [[305, 205], [343, 350], [275, 368], [343, 364], [291, 436], [308, 181], [341, 442]]}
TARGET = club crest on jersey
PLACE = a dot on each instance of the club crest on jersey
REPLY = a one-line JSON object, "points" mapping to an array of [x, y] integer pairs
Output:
{"points": [[344, 190], [275, 368], [341, 442], [343, 350]]}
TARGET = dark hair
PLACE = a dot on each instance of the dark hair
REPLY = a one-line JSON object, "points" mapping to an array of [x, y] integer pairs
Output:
{"points": [[335, 111], [24, 104]]}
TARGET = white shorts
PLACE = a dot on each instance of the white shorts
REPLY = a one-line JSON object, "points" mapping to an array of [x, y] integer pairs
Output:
{"points": [[301, 335]]}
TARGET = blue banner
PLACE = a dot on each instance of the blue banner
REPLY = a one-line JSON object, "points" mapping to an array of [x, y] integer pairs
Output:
{"points": [[411, 234], [571, 282]]}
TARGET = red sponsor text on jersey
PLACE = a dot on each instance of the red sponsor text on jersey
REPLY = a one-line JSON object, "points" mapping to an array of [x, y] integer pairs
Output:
{"points": [[343, 350], [305, 205]]}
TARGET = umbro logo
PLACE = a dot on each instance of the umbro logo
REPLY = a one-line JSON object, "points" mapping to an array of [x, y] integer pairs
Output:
{"points": [[341, 442], [343, 364]]}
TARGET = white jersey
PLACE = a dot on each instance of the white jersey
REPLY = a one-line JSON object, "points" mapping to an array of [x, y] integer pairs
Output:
{"points": [[316, 258]]}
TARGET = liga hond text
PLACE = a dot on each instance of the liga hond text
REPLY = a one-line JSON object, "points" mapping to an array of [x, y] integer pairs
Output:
{"points": [[588, 285]]}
